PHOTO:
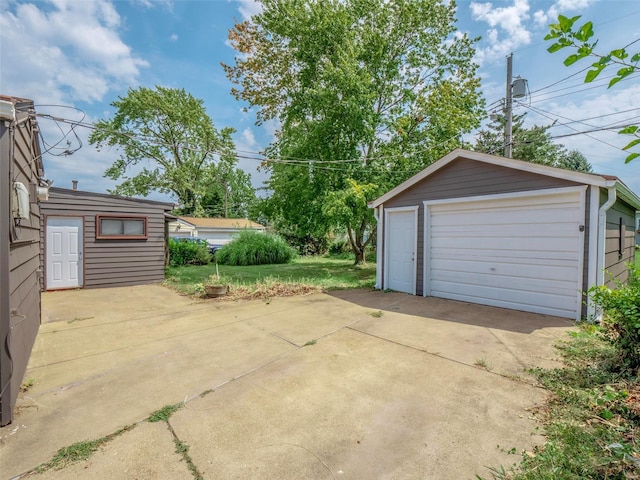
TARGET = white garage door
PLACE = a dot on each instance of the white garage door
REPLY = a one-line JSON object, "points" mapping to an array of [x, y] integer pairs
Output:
{"points": [[520, 252]]}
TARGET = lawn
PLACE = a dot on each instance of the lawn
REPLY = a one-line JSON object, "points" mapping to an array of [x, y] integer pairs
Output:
{"points": [[320, 272]]}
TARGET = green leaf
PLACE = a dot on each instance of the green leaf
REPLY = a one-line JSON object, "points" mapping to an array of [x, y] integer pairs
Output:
{"points": [[585, 32], [632, 143], [620, 53], [636, 57], [632, 157], [571, 59], [566, 23], [592, 74], [555, 47], [631, 129]]}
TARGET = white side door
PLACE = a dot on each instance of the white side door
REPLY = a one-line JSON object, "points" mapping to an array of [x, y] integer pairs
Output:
{"points": [[64, 252], [401, 245]]}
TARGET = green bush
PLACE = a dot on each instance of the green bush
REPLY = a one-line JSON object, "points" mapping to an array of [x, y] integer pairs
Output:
{"points": [[621, 319], [188, 253], [339, 247], [254, 248]]}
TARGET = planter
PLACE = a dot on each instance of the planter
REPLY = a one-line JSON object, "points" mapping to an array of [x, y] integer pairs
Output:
{"points": [[214, 291]]}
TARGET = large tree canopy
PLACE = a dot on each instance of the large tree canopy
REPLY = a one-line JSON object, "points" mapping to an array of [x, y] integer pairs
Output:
{"points": [[531, 144], [363, 90], [168, 144]]}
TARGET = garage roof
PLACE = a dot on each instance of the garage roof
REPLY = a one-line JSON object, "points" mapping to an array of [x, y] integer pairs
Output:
{"points": [[605, 181]]}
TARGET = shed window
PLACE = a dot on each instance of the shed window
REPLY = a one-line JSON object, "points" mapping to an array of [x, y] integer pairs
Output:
{"points": [[121, 228]]}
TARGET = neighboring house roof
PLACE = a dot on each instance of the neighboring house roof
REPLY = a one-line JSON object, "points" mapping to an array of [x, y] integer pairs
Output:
{"points": [[227, 223], [585, 178]]}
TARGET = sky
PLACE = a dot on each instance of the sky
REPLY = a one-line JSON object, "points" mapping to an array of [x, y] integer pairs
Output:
{"points": [[75, 57]]}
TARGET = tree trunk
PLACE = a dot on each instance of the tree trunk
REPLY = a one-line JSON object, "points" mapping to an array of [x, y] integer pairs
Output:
{"points": [[357, 247]]}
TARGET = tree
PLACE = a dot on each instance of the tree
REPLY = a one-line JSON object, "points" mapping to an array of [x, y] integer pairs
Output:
{"points": [[531, 144], [231, 195], [565, 35], [363, 90], [168, 130], [348, 208]]}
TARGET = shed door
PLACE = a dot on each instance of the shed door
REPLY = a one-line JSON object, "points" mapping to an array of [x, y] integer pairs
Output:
{"points": [[519, 252], [64, 252], [400, 271]]}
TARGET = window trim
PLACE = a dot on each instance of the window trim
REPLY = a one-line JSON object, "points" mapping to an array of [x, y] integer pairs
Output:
{"points": [[101, 236]]}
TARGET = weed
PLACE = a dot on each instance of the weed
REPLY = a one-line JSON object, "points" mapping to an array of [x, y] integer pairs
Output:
{"points": [[78, 319], [483, 363], [182, 449], [377, 314], [24, 388], [164, 413], [206, 392], [310, 342], [593, 418], [79, 451]]}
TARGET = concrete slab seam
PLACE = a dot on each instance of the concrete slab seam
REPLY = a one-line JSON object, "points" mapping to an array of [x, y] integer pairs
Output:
{"points": [[508, 377], [522, 364]]}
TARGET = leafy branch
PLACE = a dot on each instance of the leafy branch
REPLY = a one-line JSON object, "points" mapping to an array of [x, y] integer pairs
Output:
{"points": [[565, 34]]}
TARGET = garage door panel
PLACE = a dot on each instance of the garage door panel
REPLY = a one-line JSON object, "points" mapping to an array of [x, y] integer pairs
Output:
{"points": [[532, 257], [552, 230], [523, 253], [547, 272], [562, 244], [520, 296], [516, 282], [511, 217], [482, 298]]}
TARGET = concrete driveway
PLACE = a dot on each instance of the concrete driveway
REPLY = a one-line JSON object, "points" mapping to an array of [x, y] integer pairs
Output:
{"points": [[350, 385]]}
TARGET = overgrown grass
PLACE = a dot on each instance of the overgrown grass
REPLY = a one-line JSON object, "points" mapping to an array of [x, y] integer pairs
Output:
{"points": [[319, 272], [593, 419]]}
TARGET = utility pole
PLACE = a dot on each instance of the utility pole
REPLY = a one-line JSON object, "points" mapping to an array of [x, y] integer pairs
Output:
{"points": [[508, 126]]}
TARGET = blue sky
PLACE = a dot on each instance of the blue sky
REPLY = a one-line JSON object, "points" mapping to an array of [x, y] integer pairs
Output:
{"points": [[84, 54]]}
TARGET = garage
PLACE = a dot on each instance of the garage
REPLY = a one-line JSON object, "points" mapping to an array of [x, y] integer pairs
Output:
{"points": [[519, 252], [496, 231]]}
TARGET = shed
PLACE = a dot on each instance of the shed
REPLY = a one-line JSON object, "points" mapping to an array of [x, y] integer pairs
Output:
{"points": [[496, 231], [99, 240], [22, 180], [216, 231]]}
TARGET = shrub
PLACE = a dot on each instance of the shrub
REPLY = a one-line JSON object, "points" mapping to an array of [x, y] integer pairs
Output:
{"points": [[254, 248], [339, 247], [188, 253], [621, 320]]}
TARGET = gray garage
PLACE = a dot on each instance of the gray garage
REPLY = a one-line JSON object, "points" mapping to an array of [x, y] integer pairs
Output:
{"points": [[506, 233]]}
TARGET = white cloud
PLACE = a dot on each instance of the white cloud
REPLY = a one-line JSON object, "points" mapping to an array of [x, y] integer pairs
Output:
{"points": [[249, 8], [543, 18], [508, 31], [249, 138], [174, 37], [64, 50]]}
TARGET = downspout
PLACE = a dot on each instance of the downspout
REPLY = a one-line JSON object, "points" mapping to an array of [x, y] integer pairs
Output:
{"points": [[602, 232], [377, 213]]}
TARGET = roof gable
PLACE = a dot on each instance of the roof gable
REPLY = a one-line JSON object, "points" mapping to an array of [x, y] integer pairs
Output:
{"points": [[520, 165]]}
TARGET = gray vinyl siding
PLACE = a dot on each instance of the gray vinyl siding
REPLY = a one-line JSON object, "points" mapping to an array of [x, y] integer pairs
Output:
{"points": [[468, 178], [20, 311], [615, 264], [110, 263]]}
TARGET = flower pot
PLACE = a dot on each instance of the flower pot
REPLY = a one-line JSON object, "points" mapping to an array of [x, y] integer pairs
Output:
{"points": [[214, 291]]}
